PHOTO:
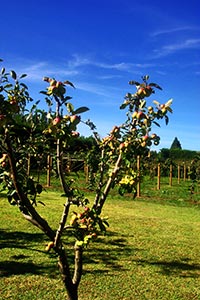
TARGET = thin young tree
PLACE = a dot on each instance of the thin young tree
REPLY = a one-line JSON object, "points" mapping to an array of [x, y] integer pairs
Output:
{"points": [[34, 132]]}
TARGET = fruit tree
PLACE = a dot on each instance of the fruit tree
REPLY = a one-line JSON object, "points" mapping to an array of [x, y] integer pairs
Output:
{"points": [[27, 130]]}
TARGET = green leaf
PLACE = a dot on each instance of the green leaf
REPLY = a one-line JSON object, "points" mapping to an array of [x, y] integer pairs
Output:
{"points": [[24, 86], [106, 223], [157, 124], [69, 83], [70, 107], [31, 186], [133, 82], [169, 109], [43, 92], [166, 120], [124, 105], [102, 227], [39, 188], [81, 110], [23, 75], [3, 71], [67, 98], [13, 75], [41, 202], [7, 86], [79, 243], [155, 85]]}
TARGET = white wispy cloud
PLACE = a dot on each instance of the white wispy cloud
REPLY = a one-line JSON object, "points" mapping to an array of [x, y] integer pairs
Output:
{"points": [[71, 68], [172, 48], [173, 30], [79, 61], [108, 94], [37, 70]]}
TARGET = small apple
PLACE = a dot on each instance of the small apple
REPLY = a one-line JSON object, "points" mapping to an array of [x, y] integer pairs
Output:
{"points": [[83, 221], [75, 134], [66, 117], [134, 115], [163, 108], [79, 215], [73, 220], [13, 102], [143, 144], [122, 146], [150, 109], [56, 121], [114, 130], [140, 115], [141, 92], [58, 84], [146, 122], [53, 82], [153, 136], [4, 155], [3, 164], [144, 138], [75, 119]]}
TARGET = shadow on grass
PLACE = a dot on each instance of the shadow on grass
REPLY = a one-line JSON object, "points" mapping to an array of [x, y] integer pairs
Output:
{"points": [[19, 239], [22, 263], [12, 267], [109, 258], [104, 254], [175, 268]]}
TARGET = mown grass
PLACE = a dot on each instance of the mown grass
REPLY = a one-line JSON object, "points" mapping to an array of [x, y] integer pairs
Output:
{"points": [[151, 250]]}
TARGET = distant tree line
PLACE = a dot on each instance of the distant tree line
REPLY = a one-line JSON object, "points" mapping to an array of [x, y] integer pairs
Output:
{"points": [[176, 155]]}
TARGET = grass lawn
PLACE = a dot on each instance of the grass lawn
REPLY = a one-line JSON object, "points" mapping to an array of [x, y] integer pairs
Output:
{"points": [[150, 252]]}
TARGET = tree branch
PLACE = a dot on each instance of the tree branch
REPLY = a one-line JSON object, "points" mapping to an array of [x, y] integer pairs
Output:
{"points": [[31, 214], [109, 183]]}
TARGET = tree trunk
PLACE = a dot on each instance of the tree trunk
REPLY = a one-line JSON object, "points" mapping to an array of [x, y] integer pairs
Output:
{"points": [[73, 295], [71, 287]]}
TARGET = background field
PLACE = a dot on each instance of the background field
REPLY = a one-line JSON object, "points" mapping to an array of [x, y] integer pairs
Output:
{"points": [[151, 250]]}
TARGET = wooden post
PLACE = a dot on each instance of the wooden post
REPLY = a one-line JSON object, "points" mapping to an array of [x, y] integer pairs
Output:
{"points": [[179, 173], [184, 172], [170, 175], [158, 178], [86, 171], [138, 169], [28, 165], [189, 172], [49, 165]]}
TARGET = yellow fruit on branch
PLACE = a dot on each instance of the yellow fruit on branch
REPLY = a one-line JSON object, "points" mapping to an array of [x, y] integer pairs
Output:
{"points": [[49, 246]]}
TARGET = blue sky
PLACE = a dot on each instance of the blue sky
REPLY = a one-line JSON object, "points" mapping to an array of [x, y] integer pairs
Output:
{"points": [[100, 46]]}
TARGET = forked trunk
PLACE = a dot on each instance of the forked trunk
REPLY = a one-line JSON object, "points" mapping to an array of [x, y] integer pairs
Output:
{"points": [[70, 284]]}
